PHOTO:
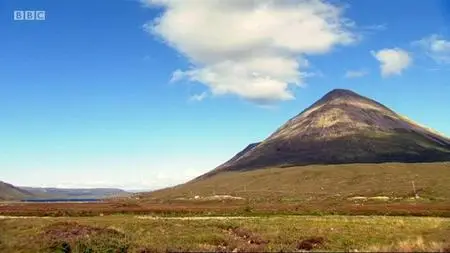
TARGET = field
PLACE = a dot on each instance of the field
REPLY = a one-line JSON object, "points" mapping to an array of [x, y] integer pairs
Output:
{"points": [[226, 208], [359, 207], [129, 233], [354, 189]]}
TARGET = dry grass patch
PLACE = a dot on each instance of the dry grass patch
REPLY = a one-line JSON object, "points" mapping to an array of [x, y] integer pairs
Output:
{"points": [[69, 236], [412, 245], [310, 243]]}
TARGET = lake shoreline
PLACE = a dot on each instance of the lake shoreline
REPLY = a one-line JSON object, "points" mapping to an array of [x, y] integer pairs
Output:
{"points": [[61, 200]]}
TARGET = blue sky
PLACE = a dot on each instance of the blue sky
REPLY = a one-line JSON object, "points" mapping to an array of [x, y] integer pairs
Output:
{"points": [[135, 94]]}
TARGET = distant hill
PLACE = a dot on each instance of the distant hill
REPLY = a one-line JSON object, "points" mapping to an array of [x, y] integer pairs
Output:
{"points": [[10, 192], [341, 128], [67, 193], [321, 183]]}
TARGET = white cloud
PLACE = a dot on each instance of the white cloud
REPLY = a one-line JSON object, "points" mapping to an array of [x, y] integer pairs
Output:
{"points": [[253, 49], [198, 97], [435, 47], [393, 61], [355, 73]]}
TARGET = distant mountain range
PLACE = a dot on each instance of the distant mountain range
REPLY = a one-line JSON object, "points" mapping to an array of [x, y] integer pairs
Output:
{"points": [[74, 193], [10, 192]]}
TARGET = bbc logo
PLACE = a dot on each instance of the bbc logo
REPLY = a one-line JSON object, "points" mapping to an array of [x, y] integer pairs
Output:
{"points": [[29, 15]]}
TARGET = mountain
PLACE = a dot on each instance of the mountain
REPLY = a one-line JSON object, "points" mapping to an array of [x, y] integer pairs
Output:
{"points": [[68, 193], [344, 145], [342, 127], [10, 192]]}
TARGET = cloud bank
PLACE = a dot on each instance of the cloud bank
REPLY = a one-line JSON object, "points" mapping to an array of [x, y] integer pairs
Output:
{"points": [[393, 61], [436, 47], [252, 49]]}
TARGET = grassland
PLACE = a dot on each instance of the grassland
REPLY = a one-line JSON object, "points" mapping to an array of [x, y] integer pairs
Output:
{"points": [[309, 208], [362, 189], [127, 233], [357, 189], [225, 208], [322, 183]]}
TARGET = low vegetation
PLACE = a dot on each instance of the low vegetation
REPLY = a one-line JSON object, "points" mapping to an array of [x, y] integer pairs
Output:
{"points": [[282, 209], [323, 183], [127, 233], [358, 189]]}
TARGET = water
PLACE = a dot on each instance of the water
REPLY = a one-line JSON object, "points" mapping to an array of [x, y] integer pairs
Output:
{"points": [[60, 200]]}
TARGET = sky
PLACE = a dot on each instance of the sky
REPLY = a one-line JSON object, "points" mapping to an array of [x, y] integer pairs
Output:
{"points": [[148, 94]]}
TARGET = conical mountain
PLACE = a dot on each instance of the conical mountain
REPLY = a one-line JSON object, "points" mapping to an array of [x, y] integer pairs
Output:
{"points": [[340, 128]]}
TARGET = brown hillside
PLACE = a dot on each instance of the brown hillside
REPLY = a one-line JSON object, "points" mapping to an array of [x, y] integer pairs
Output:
{"points": [[322, 183]]}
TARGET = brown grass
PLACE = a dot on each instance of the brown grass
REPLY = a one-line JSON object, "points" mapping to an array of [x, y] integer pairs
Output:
{"points": [[214, 209], [412, 245], [310, 243], [69, 230]]}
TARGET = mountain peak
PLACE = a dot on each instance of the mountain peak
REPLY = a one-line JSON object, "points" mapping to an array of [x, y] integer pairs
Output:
{"points": [[340, 92], [343, 127]]}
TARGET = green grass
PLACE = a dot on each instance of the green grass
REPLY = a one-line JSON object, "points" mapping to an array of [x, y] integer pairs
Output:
{"points": [[274, 233], [324, 183]]}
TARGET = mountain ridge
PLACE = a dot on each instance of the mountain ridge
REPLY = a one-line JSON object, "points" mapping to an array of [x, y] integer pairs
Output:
{"points": [[11, 192], [75, 193]]}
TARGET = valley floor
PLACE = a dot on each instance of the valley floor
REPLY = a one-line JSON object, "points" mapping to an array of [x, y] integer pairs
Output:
{"points": [[130, 233], [309, 208], [417, 207]]}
